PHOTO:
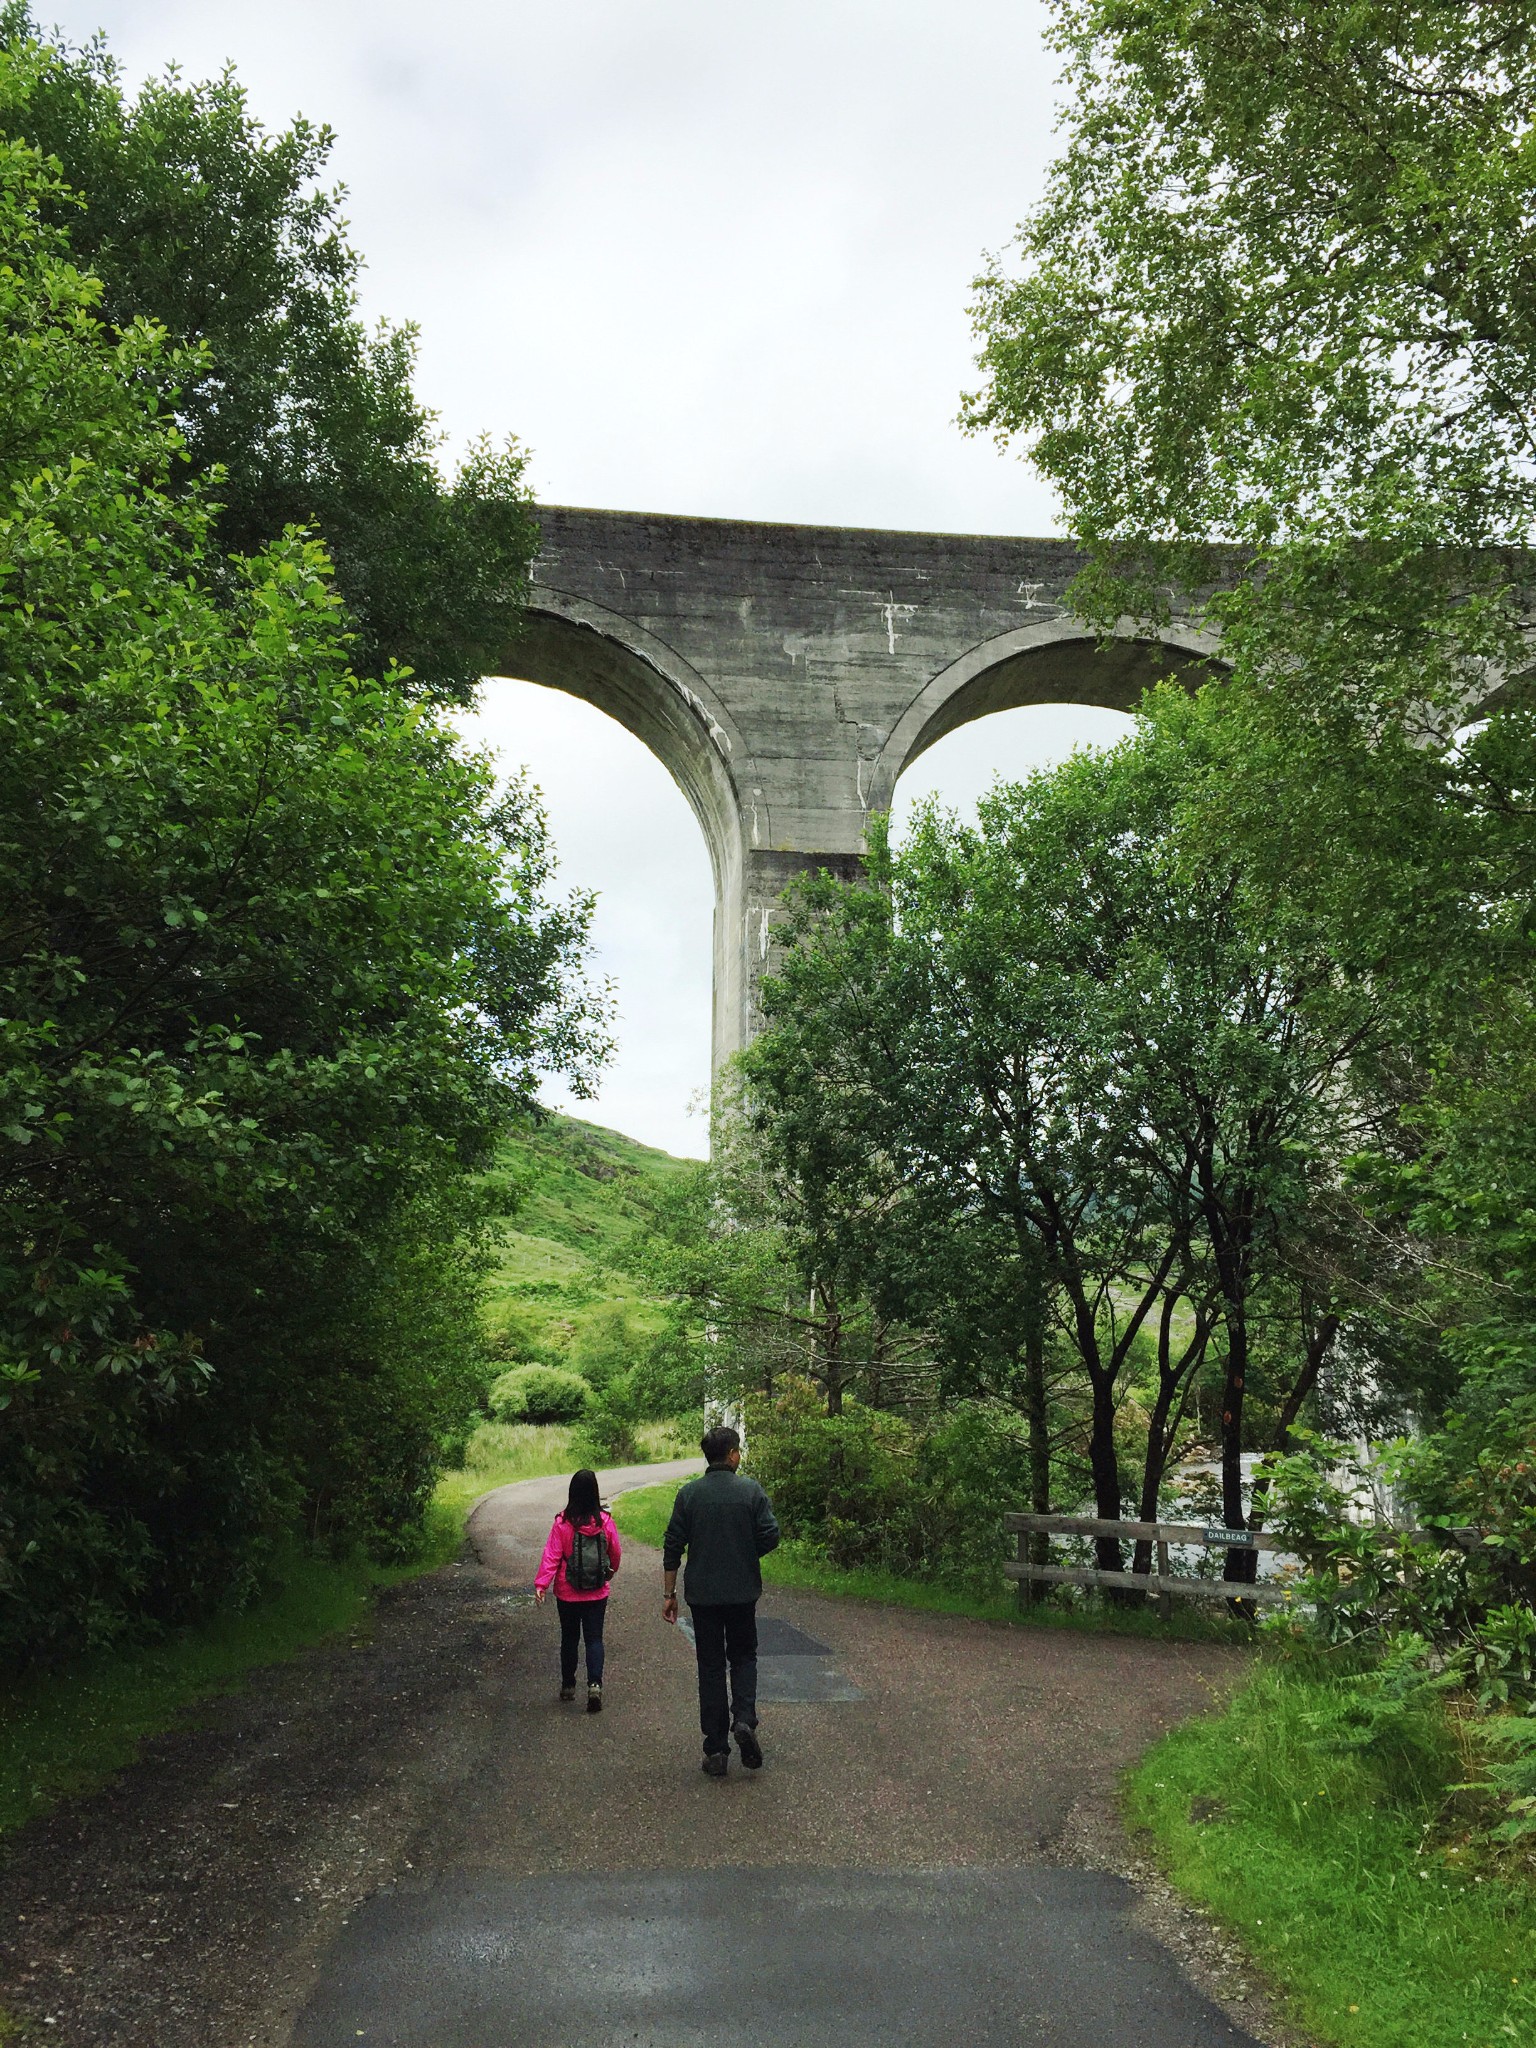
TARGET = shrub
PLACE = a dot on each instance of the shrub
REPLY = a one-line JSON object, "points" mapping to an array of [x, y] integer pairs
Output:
{"points": [[606, 1344], [539, 1393], [607, 1435], [871, 1488]]}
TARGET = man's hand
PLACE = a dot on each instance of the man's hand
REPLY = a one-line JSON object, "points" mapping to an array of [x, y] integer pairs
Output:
{"points": [[669, 1608]]}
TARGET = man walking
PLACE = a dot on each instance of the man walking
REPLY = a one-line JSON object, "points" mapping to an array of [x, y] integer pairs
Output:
{"points": [[725, 1524]]}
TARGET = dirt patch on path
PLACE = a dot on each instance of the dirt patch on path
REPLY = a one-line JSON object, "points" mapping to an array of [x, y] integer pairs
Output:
{"points": [[193, 1902]]}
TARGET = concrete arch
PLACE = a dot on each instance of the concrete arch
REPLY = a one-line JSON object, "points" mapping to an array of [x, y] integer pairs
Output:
{"points": [[571, 644], [787, 674], [615, 664], [1057, 661]]}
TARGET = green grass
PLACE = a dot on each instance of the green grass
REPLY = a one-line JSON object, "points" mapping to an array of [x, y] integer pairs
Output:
{"points": [[560, 1263], [498, 1454], [1311, 1852], [644, 1514], [64, 1732]]}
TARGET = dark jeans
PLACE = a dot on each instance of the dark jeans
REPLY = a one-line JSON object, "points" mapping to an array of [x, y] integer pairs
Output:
{"points": [[580, 1618], [725, 1636]]}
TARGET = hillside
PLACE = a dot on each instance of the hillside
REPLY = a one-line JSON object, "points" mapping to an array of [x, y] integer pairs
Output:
{"points": [[559, 1283]]}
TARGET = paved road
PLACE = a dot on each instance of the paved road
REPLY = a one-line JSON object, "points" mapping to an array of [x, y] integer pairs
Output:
{"points": [[899, 1872]]}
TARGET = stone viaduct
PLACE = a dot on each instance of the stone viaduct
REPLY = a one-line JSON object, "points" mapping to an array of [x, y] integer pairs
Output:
{"points": [[786, 675]]}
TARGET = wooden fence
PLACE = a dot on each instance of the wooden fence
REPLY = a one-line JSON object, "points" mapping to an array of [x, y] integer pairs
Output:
{"points": [[1160, 1581]]}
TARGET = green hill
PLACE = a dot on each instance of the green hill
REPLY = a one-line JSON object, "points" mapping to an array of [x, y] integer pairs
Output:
{"points": [[559, 1282]]}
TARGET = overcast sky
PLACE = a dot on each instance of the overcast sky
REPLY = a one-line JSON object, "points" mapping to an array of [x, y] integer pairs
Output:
{"points": [[699, 257]]}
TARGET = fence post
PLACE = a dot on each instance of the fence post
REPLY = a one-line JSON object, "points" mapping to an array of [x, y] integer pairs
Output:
{"points": [[1164, 1598], [1026, 1586]]}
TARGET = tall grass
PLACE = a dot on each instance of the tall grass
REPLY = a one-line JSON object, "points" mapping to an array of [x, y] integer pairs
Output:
{"points": [[1312, 1829]]}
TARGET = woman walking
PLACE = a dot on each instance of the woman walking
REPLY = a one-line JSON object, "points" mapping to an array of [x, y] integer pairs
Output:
{"points": [[580, 1558]]}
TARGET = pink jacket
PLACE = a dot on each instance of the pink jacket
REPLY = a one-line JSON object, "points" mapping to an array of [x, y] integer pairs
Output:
{"points": [[557, 1552]]}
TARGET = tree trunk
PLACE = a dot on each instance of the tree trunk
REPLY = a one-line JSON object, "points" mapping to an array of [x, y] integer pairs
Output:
{"points": [[1173, 1382], [1319, 1342], [1104, 1464], [1039, 1435], [834, 1354], [1241, 1565]]}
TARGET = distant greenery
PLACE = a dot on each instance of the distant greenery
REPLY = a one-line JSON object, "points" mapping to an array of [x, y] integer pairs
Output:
{"points": [[563, 1289], [1320, 1828], [572, 1288], [539, 1393]]}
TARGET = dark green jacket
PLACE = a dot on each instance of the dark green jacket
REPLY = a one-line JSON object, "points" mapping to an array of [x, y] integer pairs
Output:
{"points": [[724, 1522]]}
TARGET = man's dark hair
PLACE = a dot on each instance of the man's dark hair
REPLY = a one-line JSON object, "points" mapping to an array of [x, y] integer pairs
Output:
{"points": [[718, 1443]]}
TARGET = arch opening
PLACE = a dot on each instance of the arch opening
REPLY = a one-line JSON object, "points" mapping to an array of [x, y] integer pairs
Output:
{"points": [[1059, 662], [588, 653], [1011, 744], [622, 827]]}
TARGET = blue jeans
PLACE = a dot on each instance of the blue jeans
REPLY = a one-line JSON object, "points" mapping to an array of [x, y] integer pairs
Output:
{"points": [[725, 1636], [581, 1619]]}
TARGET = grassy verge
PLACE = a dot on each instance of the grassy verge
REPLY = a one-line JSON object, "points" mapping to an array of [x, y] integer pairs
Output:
{"points": [[643, 1515], [1314, 1837], [64, 1732], [498, 1454]]}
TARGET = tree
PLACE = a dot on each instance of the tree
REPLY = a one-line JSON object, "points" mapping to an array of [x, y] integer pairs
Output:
{"points": [[1279, 295], [196, 219], [1094, 1081], [276, 965], [1280, 285]]}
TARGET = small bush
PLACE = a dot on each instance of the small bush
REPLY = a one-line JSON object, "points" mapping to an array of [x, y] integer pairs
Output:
{"points": [[608, 1432], [539, 1393], [876, 1491]]}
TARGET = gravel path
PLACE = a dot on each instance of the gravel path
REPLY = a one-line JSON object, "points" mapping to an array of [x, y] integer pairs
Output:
{"points": [[407, 1839]]}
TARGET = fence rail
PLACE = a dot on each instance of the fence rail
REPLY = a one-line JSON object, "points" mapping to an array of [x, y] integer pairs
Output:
{"points": [[1161, 1535]]}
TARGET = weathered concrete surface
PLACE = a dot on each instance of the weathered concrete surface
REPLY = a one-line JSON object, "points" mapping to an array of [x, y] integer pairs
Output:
{"points": [[786, 675], [748, 1959]]}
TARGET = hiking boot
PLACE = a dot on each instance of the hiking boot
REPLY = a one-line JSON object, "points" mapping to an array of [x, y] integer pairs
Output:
{"points": [[567, 1692], [594, 1699], [717, 1765], [747, 1742]]}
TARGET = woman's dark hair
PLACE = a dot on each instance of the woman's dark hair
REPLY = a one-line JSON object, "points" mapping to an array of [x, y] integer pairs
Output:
{"points": [[583, 1504]]}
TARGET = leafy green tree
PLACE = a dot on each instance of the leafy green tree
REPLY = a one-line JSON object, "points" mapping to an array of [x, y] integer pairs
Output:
{"points": [[1280, 283], [195, 218], [276, 965], [1279, 296], [1057, 1028]]}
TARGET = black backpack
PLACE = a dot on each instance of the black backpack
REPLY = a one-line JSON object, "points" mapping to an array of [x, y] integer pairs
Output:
{"points": [[589, 1569]]}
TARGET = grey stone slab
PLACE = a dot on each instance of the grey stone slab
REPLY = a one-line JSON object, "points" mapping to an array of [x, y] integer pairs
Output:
{"points": [[802, 1681], [779, 1638], [1030, 1958], [793, 1668]]}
